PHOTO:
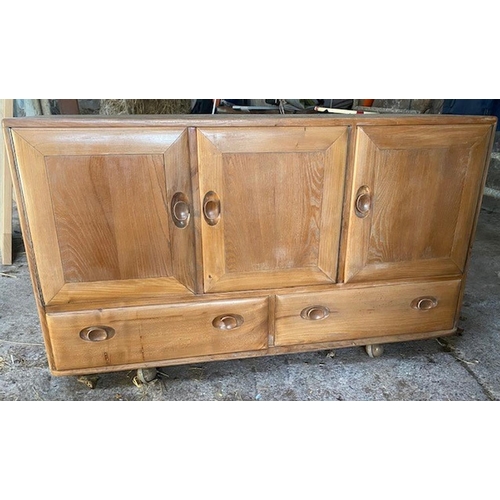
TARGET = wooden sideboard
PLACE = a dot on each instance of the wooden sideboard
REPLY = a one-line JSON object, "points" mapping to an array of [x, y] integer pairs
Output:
{"points": [[155, 241]]}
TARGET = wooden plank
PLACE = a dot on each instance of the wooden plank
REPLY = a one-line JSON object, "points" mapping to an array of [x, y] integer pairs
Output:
{"points": [[270, 279], [109, 291], [212, 236], [35, 190], [317, 120], [54, 142], [331, 206], [6, 110], [182, 239], [281, 139], [196, 208]]}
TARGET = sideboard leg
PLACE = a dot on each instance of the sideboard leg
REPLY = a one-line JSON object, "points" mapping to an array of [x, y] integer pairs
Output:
{"points": [[146, 375], [374, 350]]}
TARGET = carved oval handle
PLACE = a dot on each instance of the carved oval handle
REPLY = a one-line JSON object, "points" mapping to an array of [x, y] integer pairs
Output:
{"points": [[363, 202], [315, 313], [211, 208], [424, 303], [228, 321], [181, 213], [97, 333]]}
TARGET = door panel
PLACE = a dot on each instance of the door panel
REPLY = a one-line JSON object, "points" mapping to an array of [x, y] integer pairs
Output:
{"points": [[106, 215], [104, 197], [254, 203], [279, 197], [413, 200]]}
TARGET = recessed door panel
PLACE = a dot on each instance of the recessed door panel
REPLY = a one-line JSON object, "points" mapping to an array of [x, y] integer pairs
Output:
{"points": [[110, 216], [413, 200], [106, 213], [271, 203]]}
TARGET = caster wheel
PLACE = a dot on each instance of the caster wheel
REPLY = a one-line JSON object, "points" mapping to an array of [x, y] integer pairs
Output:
{"points": [[374, 350], [89, 381], [146, 375]]}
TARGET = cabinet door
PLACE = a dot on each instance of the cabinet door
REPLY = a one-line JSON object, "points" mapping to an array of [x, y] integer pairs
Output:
{"points": [[414, 198], [108, 211], [271, 200]]}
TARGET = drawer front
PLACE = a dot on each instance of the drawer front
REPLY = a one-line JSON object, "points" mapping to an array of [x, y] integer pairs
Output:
{"points": [[113, 337], [354, 313]]}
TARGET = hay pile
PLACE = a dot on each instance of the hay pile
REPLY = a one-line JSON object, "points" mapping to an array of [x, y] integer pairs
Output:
{"points": [[145, 106]]}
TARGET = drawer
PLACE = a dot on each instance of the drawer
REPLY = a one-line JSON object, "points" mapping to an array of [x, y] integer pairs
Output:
{"points": [[121, 336], [355, 313]]}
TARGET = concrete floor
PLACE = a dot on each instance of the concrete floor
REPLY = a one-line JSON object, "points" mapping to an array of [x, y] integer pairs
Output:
{"points": [[465, 367]]}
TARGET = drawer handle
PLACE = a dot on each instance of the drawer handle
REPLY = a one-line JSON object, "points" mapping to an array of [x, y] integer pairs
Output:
{"points": [[97, 333], [228, 321], [179, 208], [424, 303], [315, 313], [211, 208], [363, 203]]}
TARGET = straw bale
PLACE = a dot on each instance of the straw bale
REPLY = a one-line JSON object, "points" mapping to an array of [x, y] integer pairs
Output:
{"points": [[144, 106]]}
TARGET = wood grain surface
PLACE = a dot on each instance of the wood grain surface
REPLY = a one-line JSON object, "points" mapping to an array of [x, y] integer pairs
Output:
{"points": [[365, 312], [281, 197], [157, 333], [299, 232], [322, 120], [40, 217], [6, 110], [422, 184], [99, 208], [110, 215]]}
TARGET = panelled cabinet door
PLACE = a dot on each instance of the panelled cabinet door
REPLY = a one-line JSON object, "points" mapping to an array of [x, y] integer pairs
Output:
{"points": [[413, 202], [271, 202], [108, 211]]}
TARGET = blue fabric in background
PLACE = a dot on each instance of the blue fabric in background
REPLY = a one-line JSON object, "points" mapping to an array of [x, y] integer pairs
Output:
{"points": [[490, 107]]}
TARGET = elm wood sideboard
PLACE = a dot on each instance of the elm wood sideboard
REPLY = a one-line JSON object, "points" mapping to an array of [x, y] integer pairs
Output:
{"points": [[155, 241]]}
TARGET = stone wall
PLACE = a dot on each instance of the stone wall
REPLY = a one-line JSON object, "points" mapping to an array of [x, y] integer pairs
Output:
{"points": [[432, 106], [491, 198], [89, 106]]}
